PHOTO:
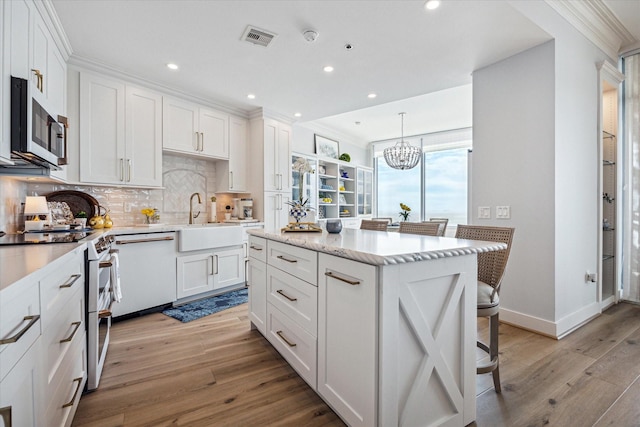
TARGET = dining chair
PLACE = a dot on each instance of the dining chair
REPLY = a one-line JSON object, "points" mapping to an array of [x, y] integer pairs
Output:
{"points": [[444, 222], [424, 228], [491, 267], [368, 224], [389, 220]]}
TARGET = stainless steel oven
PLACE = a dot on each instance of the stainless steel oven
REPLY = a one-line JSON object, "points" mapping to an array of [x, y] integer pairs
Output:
{"points": [[101, 270]]}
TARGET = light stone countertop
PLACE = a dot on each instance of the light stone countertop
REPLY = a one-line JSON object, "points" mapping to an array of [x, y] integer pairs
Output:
{"points": [[380, 247], [19, 261]]}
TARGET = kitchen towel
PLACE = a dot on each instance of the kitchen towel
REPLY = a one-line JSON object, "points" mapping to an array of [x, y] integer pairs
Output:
{"points": [[115, 277]]}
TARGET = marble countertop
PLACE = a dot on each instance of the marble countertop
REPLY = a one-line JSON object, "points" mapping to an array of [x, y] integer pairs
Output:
{"points": [[380, 247]]}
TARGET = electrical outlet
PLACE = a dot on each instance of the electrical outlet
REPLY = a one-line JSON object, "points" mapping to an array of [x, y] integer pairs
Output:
{"points": [[591, 277], [503, 212], [127, 207], [484, 212]]}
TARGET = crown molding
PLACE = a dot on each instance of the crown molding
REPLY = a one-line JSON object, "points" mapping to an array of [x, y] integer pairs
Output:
{"points": [[597, 23], [90, 64]]}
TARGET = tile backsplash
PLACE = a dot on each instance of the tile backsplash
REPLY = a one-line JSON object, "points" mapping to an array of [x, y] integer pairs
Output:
{"points": [[182, 176]]}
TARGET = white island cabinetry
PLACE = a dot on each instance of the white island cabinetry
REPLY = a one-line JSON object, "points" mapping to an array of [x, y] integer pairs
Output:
{"points": [[395, 321]]}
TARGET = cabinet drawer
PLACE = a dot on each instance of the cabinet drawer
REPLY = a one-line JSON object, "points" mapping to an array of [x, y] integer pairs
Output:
{"points": [[66, 387], [258, 248], [60, 334], [294, 297], [20, 322], [295, 344], [299, 262], [60, 283]]}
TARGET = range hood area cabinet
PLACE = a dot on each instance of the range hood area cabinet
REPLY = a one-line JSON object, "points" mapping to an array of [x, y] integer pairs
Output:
{"points": [[195, 130], [231, 176], [120, 132], [29, 51]]}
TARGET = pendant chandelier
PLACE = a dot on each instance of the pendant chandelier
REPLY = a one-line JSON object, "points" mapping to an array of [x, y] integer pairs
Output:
{"points": [[402, 155]]}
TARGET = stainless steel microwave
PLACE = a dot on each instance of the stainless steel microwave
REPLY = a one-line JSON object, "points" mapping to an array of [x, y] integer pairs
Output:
{"points": [[35, 135]]}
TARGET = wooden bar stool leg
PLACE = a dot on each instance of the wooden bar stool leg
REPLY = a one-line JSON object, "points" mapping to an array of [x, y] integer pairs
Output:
{"points": [[493, 351]]}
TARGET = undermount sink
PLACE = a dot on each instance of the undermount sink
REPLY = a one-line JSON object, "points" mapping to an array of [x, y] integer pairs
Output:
{"points": [[195, 237]]}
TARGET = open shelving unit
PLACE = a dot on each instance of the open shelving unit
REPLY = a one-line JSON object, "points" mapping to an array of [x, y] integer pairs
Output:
{"points": [[609, 214]]}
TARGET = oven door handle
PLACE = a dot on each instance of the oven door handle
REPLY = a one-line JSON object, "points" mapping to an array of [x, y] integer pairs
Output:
{"points": [[155, 239]]}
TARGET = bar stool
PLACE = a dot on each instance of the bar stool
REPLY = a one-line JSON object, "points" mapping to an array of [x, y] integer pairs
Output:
{"points": [[491, 267]]}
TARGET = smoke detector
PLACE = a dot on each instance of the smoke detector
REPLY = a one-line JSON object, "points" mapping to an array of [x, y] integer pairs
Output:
{"points": [[258, 36], [310, 35]]}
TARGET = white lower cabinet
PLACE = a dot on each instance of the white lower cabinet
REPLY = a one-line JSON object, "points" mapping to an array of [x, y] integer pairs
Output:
{"points": [[257, 281], [20, 399], [347, 346], [209, 270]]}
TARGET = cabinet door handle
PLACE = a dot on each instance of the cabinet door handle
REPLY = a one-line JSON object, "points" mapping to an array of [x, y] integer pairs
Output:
{"points": [[286, 296], [287, 259], [40, 82], [70, 337], [281, 335], [121, 169], [202, 141], [197, 147], [152, 239], [216, 264], [16, 337], [70, 281], [230, 179], [5, 414], [128, 170], [75, 393], [334, 276], [255, 248], [279, 181]]}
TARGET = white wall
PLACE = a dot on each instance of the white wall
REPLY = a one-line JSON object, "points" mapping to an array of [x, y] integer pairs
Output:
{"points": [[551, 176], [513, 164]]}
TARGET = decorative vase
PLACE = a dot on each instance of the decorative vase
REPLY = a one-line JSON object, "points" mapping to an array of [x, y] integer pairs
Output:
{"points": [[297, 213]]}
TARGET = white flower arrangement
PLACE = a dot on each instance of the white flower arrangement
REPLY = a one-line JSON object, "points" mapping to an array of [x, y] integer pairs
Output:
{"points": [[302, 166]]}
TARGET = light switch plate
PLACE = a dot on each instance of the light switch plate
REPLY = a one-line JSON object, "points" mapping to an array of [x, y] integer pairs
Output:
{"points": [[503, 212], [484, 212]]}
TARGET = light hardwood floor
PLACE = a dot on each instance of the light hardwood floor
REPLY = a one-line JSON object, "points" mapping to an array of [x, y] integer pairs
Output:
{"points": [[216, 372]]}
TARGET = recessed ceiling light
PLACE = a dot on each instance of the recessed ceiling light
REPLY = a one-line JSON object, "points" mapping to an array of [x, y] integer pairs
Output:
{"points": [[298, 114], [432, 4], [251, 96], [371, 95], [172, 66], [328, 68]]}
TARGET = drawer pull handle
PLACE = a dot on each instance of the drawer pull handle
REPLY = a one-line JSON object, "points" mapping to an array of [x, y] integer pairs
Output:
{"points": [[289, 343], [286, 296], [70, 337], [287, 259], [351, 282], [105, 264], [75, 393], [5, 415], [255, 248], [103, 314], [70, 281], [16, 337]]}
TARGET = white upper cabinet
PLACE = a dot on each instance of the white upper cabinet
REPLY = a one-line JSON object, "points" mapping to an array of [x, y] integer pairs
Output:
{"points": [[18, 17], [277, 148], [231, 176], [108, 154], [191, 129]]}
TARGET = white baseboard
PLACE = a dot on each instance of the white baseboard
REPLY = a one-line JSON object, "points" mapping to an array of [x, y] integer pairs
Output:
{"points": [[557, 329]]}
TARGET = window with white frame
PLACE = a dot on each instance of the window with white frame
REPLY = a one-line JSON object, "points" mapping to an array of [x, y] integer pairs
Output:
{"points": [[436, 188]]}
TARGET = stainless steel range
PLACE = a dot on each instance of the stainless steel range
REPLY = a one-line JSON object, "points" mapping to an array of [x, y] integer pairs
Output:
{"points": [[101, 276]]}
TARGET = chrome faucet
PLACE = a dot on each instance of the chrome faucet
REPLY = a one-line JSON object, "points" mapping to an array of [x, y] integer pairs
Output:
{"points": [[191, 215]]}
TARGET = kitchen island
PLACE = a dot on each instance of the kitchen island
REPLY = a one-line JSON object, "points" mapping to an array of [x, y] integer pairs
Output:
{"points": [[381, 325]]}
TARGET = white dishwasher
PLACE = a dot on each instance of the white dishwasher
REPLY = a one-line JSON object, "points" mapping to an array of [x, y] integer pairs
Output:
{"points": [[147, 271]]}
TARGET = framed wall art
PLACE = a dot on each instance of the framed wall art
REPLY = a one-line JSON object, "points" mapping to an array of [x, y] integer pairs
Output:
{"points": [[326, 147]]}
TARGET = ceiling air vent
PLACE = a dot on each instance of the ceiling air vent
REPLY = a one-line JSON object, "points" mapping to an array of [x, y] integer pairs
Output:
{"points": [[257, 36]]}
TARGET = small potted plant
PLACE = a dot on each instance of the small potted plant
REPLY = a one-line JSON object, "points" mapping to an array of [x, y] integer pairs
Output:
{"points": [[81, 219], [405, 212]]}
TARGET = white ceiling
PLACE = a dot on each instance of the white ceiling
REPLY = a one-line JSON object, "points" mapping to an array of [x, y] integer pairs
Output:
{"points": [[400, 51]]}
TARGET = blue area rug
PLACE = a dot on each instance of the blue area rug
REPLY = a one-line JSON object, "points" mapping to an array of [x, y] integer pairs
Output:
{"points": [[204, 307]]}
